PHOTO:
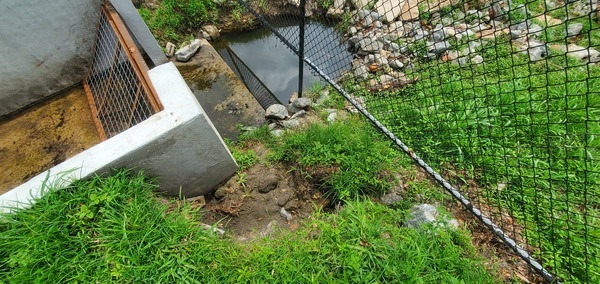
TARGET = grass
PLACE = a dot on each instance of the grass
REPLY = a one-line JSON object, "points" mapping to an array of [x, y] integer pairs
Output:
{"points": [[531, 126], [113, 229], [357, 160], [175, 18]]}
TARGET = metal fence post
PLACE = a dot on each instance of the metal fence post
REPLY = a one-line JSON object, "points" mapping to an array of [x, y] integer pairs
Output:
{"points": [[301, 47]]}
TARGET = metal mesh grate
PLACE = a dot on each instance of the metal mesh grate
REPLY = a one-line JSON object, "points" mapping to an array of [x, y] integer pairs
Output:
{"points": [[120, 96], [499, 97], [257, 88]]}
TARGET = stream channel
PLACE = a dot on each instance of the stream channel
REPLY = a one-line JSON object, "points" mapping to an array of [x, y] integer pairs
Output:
{"points": [[274, 63]]}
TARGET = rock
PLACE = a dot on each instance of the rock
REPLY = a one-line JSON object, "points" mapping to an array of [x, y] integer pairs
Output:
{"points": [[582, 53], [427, 213], [352, 31], [273, 126], [170, 49], [185, 53], [212, 31], [220, 193], [277, 132], [391, 199], [397, 28], [574, 29], [535, 30], [479, 27], [359, 4], [410, 10], [537, 50], [453, 55], [268, 230], [382, 61], [268, 183], [283, 199], [396, 64], [277, 111], [438, 35], [335, 13], [446, 21], [331, 117], [420, 34], [515, 34], [361, 72], [301, 113], [354, 40], [367, 22], [394, 46], [439, 47], [285, 214], [302, 103], [450, 32], [213, 229], [386, 78], [292, 123], [473, 45], [462, 61], [477, 59], [496, 12], [370, 58], [369, 45], [389, 9], [205, 35]]}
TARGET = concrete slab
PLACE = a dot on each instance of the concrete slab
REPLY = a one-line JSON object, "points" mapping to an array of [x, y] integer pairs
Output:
{"points": [[179, 145]]}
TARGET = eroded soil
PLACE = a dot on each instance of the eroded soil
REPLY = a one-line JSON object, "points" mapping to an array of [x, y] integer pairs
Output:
{"points": [[249, 205], [43, 136]]}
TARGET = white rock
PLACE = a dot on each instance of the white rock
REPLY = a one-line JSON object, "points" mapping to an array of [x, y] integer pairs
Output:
{"points": [[331, 117], [170, 49], [359, 4], [389, 9], [286, 215], [427, 213], [276, 111], [185, 53]]}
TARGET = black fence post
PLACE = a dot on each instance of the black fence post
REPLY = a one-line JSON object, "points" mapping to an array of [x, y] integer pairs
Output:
{"points": [[301, 47]]}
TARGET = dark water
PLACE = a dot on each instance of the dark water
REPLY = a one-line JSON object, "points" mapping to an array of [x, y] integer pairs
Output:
{"points": [[274, 63]]}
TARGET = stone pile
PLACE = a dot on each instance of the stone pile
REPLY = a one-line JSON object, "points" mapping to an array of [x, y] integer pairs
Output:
{"points": [[282, 117], [391, 37]]}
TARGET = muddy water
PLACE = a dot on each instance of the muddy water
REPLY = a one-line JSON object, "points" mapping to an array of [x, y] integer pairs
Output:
{"points": [[275, 64], [44, 135], [223, 97]]}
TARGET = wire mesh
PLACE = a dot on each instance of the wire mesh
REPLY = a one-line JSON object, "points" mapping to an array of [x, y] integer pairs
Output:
{"points": [[117, 95], [499, 97], [256, 87]]}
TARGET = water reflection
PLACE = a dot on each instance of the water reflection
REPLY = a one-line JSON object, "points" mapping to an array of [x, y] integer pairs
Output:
{"points": [[277, 66]]}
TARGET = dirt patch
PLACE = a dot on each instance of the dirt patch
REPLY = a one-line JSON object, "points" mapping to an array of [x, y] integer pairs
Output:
{"points": [[249, 205], [44, 135]]}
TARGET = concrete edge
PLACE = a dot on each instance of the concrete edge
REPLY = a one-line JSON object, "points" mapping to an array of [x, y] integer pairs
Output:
{"points": [[180, 108]]}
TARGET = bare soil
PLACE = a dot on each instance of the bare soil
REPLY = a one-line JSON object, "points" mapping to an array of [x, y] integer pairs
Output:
{"points": [[243, 208], [44, 135]]}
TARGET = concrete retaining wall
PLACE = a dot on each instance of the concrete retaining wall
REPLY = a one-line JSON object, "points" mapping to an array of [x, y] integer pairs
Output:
{"points": [[178, 145], [45, 47]]}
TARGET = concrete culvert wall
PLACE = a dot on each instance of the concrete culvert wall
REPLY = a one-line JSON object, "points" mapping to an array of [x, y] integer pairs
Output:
{"points": [[46, 47]]}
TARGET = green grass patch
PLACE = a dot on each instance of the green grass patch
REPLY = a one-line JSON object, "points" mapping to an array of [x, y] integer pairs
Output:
{"points": [[114, 229], [531, 126], [350, 157], [174, 18]]}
